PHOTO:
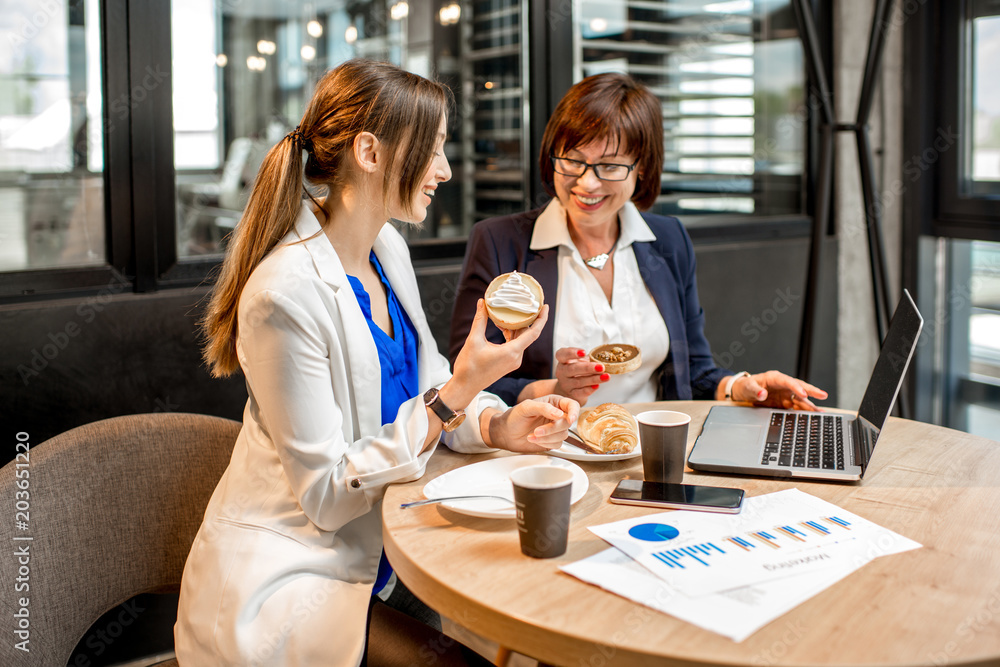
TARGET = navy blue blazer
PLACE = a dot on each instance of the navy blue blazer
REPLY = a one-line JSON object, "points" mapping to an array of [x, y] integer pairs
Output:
{"points": [[667, 266]]}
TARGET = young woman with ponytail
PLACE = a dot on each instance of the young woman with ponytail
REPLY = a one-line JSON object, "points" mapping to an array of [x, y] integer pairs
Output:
{"points": [[317, 303]]}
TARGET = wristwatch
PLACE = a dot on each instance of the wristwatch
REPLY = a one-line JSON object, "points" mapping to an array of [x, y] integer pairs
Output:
{"points": [[452, 419], [732, 380]]}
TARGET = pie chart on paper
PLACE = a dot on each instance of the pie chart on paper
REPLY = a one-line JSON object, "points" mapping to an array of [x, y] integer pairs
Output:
{"points": [[653, 532]]}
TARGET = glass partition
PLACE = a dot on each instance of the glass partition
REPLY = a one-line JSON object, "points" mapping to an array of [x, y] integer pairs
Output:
{"points": [[982, 171], [51, 135], [495, 150], [962, 336], [730, 76], [731, 79], [243, 73]]}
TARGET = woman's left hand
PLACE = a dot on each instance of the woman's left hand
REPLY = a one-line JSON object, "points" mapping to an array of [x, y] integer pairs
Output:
{"points": [[534, 425], [774, 389]]}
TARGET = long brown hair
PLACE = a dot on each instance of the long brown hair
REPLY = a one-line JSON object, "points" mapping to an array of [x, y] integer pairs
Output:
{"points": [[401, 109], [615, 108]]}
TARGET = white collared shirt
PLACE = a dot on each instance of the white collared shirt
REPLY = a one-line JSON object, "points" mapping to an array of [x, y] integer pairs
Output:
{"points": [[585, 319]]}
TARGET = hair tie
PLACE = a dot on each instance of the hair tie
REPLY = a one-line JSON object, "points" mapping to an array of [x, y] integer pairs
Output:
{"points": [[299, 140]]}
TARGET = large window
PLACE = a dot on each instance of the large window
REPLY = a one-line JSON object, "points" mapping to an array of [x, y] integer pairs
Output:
{"points": [[955, 142], [732, 82], [131, 130], [982, 411], [245, 71], [494, 140], [967, 113], [964, 342], [51, 135], [983, 111]]}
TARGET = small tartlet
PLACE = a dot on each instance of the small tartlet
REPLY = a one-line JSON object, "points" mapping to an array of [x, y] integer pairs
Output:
{"points": [[506, 318], [617, 358]]}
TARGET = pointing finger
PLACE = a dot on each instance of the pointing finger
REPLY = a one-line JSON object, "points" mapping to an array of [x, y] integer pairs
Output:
{"points": [[565, 355]]}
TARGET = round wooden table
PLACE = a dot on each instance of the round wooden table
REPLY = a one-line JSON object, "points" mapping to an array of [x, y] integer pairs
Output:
{"points": [[936, 605]]}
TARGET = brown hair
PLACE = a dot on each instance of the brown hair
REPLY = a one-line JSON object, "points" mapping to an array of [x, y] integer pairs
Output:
{"points": [[401, 109], [615, 108]]}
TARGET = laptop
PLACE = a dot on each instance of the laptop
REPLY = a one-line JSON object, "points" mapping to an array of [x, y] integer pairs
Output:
{"points": [[812, 445]]}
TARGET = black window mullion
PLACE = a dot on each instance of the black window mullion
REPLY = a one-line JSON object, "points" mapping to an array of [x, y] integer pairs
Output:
{"points": [[550, 41], [117, 137], [152, 169]]}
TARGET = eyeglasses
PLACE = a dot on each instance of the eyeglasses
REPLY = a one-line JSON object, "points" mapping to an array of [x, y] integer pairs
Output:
{"points": [[605, 171]]}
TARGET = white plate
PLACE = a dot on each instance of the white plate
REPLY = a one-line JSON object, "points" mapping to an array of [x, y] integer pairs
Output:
{"points": [[574, 453], [493, 478]]}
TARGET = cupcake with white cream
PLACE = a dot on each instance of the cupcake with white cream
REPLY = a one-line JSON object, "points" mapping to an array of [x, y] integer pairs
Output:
{"points": [[513, 300]]}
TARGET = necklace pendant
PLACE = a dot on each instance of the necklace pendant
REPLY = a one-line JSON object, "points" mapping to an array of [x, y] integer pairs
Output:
{"points": [[597, 261]]}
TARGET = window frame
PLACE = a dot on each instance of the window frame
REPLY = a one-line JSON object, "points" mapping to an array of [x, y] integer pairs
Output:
{"points": [[118, 269], [957, 215], [934, 215], [139, 176]]}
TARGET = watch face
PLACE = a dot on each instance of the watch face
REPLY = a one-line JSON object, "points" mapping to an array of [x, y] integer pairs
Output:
{"points": [[455, 421]]}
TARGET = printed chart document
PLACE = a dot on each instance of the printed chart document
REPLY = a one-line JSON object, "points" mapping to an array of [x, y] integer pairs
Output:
{"points": [[735, 614], [713, 569]]}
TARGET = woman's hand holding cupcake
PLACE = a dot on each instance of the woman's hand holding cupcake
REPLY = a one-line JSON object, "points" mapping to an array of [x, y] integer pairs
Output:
{"points": [[481, 363], [534, 425]]}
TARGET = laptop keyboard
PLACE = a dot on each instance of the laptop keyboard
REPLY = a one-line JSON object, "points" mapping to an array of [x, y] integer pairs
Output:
{"points": [[805, 441]]}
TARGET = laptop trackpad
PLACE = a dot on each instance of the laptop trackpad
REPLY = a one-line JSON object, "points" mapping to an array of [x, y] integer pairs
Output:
{"points": [[736, 443]]}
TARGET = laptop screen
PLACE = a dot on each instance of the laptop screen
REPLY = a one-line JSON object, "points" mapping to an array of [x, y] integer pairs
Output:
{"points": [[897, 349]]}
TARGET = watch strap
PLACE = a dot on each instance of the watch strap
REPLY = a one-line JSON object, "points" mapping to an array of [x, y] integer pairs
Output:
{"points": [[731, 381], [433, 400], [450, 418]]}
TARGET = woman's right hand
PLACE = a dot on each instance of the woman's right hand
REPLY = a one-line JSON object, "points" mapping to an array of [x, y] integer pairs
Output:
{"points": [[480, 363], [576, 375]]}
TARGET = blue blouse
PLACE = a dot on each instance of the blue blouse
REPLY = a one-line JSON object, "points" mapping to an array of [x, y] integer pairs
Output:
{"points": [[397, 357]]}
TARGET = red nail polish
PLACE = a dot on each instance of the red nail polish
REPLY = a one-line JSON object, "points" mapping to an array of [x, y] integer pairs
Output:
{"points": [[594, 387], [581, 353], [605, 377], [598, 368]]}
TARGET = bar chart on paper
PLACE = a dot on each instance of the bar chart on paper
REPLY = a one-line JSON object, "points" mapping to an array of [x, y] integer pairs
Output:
{"points": [[705, 557], [734, 573], [777, 535], [808, 533], [797, 534]]}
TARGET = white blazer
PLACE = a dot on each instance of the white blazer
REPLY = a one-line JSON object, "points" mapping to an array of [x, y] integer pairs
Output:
{"points": [[282, 568]]}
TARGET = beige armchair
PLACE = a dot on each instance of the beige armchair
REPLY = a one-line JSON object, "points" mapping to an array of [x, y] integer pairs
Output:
{"points": [[113, 509]]}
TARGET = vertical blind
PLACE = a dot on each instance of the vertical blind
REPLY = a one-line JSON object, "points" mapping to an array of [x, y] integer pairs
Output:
{"points": [[731, 81]]}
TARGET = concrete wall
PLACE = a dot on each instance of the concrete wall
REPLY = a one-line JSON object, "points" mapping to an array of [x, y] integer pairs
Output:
{"points": [[857, 331]]}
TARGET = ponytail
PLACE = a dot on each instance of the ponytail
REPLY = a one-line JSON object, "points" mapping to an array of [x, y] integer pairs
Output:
{"points": [[269, 215]]}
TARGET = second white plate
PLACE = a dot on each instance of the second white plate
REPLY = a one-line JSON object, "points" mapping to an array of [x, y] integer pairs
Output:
{"points": [[573, 453], [492, 477]]}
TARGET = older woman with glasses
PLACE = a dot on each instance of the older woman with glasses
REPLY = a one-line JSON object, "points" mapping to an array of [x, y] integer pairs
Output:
{"points": [[610, 273]]}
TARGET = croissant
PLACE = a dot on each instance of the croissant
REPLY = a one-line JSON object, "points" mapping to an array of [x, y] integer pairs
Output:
{"points": [[609, 427]]}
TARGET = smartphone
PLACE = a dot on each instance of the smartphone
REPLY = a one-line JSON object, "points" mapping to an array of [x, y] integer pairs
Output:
{"points": [[678, 496]]}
